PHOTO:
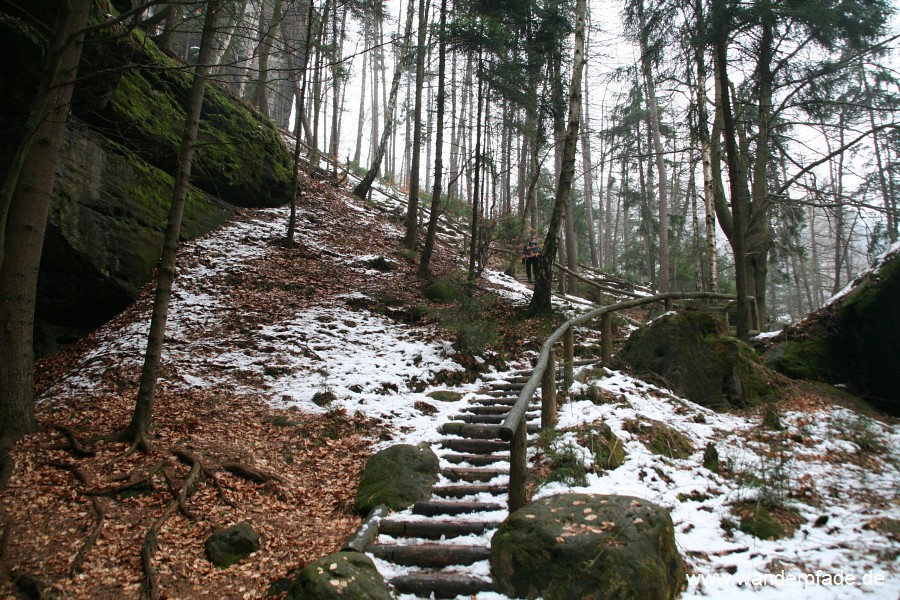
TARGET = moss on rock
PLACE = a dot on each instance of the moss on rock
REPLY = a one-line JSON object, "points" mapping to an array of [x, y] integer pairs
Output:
{"points": [[340, 575], [397, 477], [586, 546], [690, 352]]}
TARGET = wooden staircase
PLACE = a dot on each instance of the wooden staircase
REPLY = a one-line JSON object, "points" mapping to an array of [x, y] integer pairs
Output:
{"points": [[427, 545]]}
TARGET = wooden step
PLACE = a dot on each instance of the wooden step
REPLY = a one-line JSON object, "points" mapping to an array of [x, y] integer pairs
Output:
{"points": [[441, 585], [434, 529], [508, 387], [430, 555], [471, 431], [465, 474], [475, 446], [509, 401], [481, 409], [478, 460], [462, 490], [432, 508], [480, 431], [495, 395]]}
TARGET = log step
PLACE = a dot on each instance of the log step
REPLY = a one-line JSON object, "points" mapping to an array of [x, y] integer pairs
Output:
{"points": [[479, 460], [486, 409], [434, 529], [509, 401], [496, 395], [464, 474], [475, 446], [507, 386], [441, 585], [431, 508], [471, 431], [430, 555], [479, 431], [459, 491]]}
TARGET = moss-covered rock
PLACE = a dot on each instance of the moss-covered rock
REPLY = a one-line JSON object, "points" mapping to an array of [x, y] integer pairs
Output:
{"points": [[606, 448], [104, 233], [240, 156], [660, 438], [691, 353], [852, 340], [397, 477], [580, 546], [340, 576], [228, 546]]}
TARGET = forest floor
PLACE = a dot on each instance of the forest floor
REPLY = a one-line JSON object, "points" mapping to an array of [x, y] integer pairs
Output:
{"points": [[286, 367]]}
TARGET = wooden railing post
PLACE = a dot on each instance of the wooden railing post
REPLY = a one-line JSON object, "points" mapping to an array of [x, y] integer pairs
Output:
{"points": [[518, 449], [569, 357], [606, 338], [548, 393]]}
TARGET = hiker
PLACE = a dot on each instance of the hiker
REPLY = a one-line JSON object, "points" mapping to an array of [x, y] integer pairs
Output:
{"points": [[530, 255]]}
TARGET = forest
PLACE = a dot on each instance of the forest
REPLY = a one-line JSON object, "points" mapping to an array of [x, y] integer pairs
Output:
{"points": [[715, 147]]}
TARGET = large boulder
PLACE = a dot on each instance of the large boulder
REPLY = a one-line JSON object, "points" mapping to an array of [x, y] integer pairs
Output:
{"points": [[340, 576], [852, 340], [691, 353], [397, 477], [588, 546]]}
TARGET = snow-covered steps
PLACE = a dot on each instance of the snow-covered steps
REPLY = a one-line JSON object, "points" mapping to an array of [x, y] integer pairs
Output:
{"points": [[441, 547]]}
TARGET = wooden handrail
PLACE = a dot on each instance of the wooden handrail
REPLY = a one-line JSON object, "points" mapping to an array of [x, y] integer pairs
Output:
{"points": [[512, 428]]}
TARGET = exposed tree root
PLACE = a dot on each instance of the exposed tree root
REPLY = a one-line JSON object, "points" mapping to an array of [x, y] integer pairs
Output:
{"points": [[190, 458], [150, 588], [74, 444], [99, 508], [249, 473], [133, 482]]}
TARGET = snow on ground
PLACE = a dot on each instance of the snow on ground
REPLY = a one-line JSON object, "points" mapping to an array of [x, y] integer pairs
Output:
{"points": [[382, 368]]}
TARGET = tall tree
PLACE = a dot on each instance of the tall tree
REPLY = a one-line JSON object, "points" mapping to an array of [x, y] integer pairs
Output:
{"points": [[541, 299], [412, 207], [425, 260], [362, 188], [138, 429], [25, 200]]}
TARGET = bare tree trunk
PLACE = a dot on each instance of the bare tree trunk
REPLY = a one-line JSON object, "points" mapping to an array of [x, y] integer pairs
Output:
{"points": [[357, 153], [658, 149], [476, 200], [412, 207], [541, 300], [24, 206], [337, 33], [424, 270], [138, 430], [587, 168], [362, 188]]}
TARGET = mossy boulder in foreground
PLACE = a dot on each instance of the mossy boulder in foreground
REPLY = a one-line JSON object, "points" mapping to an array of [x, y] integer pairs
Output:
{"points": [[691, 353], [587, 546], [397, 477], [340, 575]]}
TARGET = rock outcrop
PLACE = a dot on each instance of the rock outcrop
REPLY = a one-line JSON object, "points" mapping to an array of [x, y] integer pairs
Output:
{"points": [[116, 173], [852, 340]]}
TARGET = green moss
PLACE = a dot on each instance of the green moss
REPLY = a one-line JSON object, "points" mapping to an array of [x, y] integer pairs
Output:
{"points": [[757, 521], [661, 439], [803, 359], [605, 447]]}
